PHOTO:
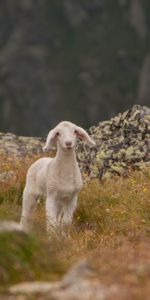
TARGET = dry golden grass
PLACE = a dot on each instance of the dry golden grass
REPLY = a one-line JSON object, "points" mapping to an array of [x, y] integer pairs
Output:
{"points": [[111, 227]]}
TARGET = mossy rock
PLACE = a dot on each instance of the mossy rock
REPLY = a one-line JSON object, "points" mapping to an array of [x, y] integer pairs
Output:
{"points": [[122, 142]]}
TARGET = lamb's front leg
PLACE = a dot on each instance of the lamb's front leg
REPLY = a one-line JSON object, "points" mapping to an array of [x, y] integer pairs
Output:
{"points": [[68, 211], [52, 215], [68, 215]]}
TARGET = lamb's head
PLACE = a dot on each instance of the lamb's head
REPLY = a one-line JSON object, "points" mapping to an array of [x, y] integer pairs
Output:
{"points": [[65, 135]]}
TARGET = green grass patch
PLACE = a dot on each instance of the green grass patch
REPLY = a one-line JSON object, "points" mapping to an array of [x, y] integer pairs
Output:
{"points": [[28, 257]]}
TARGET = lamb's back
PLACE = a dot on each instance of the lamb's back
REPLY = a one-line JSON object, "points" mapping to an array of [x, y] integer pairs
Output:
{"points": [[39, 164]]}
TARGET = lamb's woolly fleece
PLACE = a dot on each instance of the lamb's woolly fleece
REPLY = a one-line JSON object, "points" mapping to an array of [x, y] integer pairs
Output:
{"points": [[57, 179]]}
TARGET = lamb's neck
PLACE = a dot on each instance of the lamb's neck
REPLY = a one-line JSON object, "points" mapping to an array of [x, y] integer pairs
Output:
{"points": [[66, 160]]}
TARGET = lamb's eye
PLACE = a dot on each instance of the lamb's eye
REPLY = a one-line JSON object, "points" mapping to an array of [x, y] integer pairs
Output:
{"points": [[57, 133], [75, 131]]}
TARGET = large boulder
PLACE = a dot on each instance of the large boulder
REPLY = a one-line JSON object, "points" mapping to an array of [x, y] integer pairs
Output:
{"points": [[123, 142]]}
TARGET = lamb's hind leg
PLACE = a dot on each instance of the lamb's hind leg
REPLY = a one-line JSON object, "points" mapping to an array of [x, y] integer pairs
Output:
{"points": [[28, 206]]}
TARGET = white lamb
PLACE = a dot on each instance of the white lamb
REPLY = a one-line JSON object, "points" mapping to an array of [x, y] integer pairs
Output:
{"points": [[58, 179]]}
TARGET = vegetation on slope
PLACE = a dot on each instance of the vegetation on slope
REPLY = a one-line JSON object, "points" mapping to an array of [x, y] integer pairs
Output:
{"points": [[111, 227]]}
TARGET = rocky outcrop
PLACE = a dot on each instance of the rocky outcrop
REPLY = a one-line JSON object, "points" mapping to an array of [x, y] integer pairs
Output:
{"points": [[122, 142], [19, 146], [16, 148]]}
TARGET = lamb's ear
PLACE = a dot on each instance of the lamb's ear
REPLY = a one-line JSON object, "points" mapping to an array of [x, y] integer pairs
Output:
{"points": [[51, 140], [83, 135]]}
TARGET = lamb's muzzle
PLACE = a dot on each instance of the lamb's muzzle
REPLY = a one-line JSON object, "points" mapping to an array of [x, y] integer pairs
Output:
{"points": [[58, 179]]}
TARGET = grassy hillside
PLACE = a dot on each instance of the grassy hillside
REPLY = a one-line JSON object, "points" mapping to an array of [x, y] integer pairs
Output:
{"points": [[111, 227]]}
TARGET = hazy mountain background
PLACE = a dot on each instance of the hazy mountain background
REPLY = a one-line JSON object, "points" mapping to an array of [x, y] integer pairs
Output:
{"points": [[80, 60]]}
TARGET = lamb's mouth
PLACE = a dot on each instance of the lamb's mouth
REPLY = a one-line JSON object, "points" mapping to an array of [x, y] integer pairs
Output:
{"points": [[69, 148]]}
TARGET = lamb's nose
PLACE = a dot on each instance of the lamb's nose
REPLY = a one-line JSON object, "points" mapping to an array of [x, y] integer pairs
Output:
{"points": [[68, 143]]}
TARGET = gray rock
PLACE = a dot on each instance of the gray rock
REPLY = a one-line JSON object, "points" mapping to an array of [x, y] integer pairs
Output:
{"points": [[10, 144], [78, 271], [123, 142], [76, 284], [33, 287], [10, 226]]}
